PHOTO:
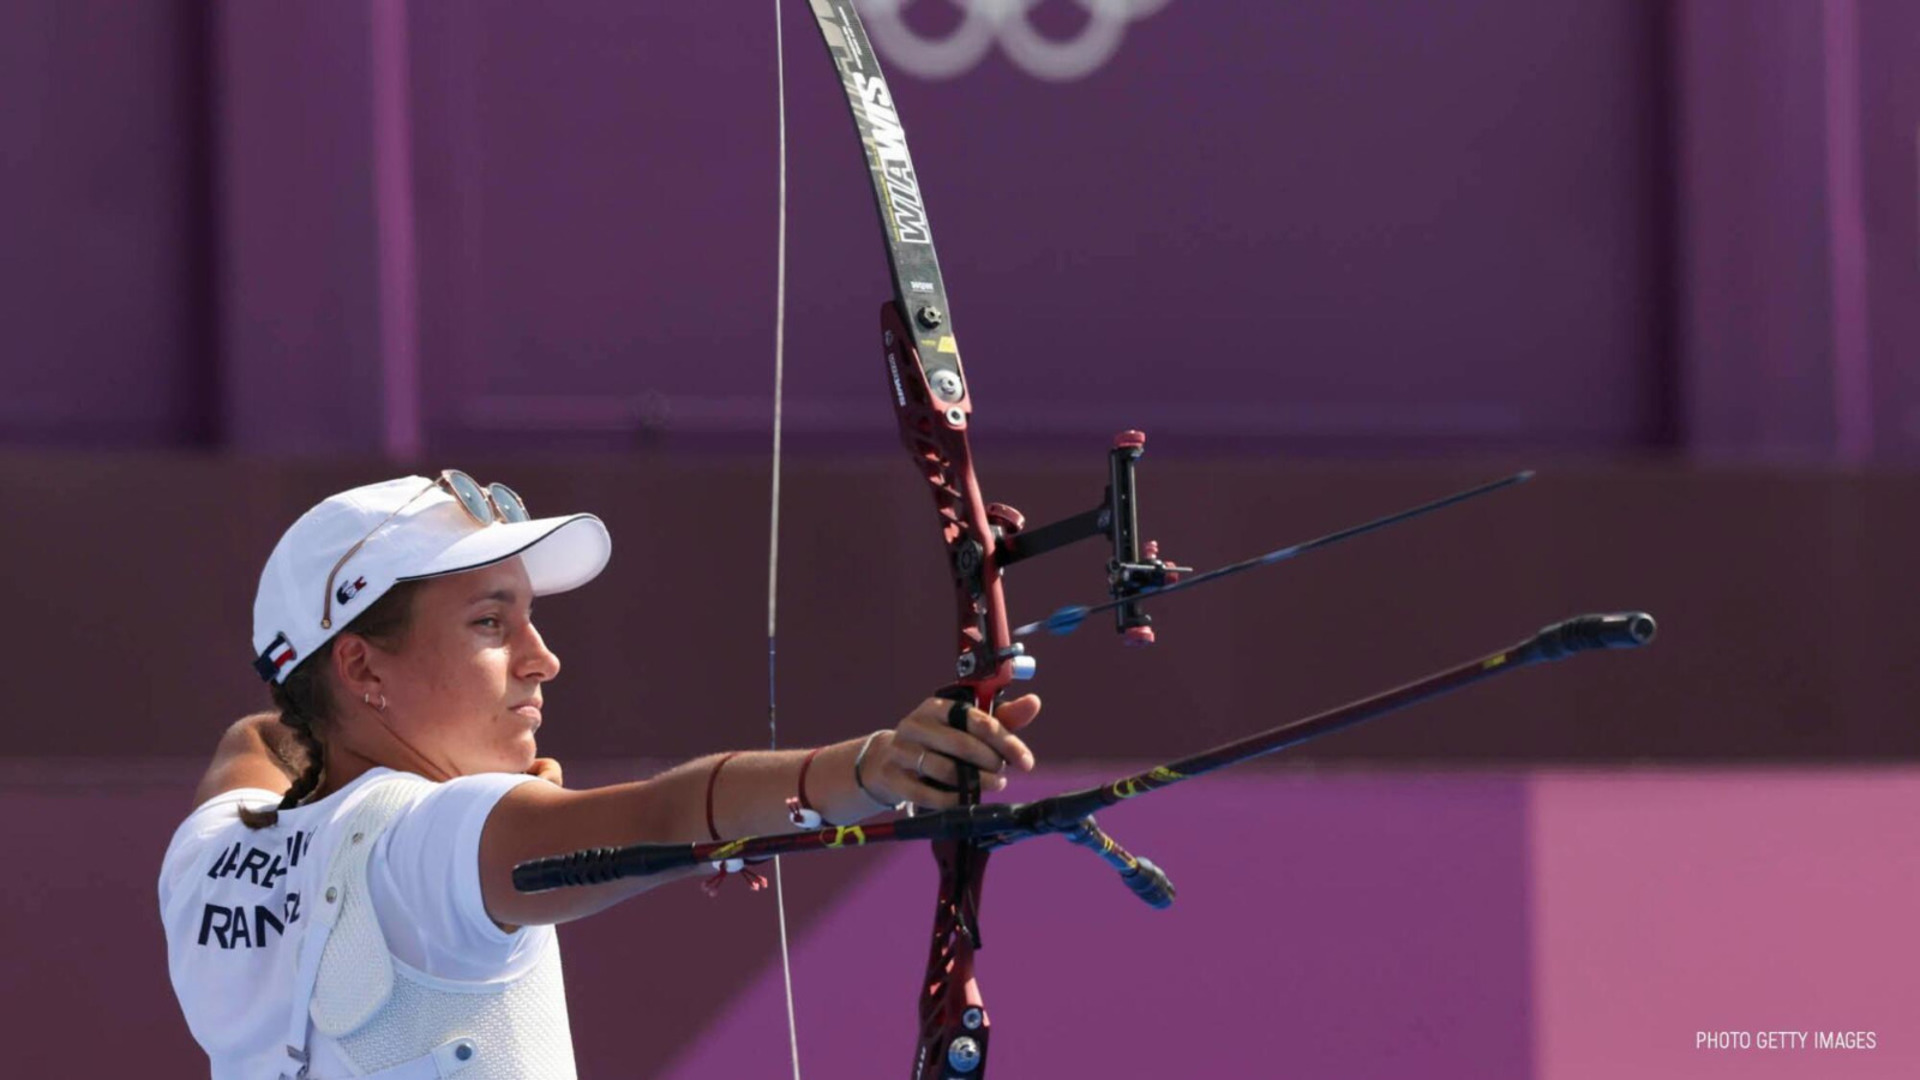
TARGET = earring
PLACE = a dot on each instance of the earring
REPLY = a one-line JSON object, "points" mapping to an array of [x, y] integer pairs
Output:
{"points": [[367, 699]]}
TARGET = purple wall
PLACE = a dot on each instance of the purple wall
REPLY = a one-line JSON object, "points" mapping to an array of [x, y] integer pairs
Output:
{"points": [[1324, 226], [106, 224], [1668, 903]]}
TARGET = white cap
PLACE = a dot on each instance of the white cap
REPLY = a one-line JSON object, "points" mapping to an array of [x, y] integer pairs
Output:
{"points": [[428, 535]]}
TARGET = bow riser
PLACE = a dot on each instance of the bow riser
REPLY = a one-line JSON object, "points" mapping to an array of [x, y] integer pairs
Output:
{"points": [[935, 435], [953, 1018]]}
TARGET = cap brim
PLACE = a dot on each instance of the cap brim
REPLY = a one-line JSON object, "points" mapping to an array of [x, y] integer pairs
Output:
{"points": [[560, 553]]}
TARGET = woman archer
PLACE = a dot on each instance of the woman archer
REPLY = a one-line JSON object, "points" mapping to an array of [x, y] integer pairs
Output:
{"points": [[339, 901]]}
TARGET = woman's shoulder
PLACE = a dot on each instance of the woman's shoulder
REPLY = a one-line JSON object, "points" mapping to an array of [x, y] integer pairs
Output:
{"points": [[429, 874], [457, 805]]}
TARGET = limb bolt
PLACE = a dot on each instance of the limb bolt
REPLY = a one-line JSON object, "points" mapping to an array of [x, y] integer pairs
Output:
{"points": [[963, 1054]]}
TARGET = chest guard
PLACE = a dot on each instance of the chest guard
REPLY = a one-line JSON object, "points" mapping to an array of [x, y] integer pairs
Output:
{"points": [[394, 1022]]}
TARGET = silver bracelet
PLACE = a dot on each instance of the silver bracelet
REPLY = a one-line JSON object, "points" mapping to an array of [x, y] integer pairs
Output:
{"points": [[860, 781]]}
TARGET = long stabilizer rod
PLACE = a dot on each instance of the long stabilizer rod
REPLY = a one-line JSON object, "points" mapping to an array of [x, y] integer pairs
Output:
{"points": [[1002, 823]]}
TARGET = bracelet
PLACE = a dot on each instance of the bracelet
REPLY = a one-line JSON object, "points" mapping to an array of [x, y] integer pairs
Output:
{"points": [[711, 778], [860, 781], [799, 808]]}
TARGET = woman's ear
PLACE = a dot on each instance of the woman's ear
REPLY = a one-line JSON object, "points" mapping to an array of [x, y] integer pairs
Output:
{"points": [[355, 666]]}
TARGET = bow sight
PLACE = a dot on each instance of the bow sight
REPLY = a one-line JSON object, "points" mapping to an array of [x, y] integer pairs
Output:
{"points": [[1134, 569]]}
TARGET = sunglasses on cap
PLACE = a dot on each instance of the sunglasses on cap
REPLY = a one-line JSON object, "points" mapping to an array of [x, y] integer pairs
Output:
{"points": [[485, 505]]}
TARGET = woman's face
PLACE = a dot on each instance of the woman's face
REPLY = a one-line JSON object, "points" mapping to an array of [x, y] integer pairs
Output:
{"points": [[464, 687]]}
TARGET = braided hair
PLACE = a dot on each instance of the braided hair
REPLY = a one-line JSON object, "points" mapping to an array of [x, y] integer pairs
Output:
{"points": [[305, 699]]}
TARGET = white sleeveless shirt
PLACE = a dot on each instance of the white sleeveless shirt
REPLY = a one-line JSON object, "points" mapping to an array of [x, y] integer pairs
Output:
{"points": [[413, 963]]}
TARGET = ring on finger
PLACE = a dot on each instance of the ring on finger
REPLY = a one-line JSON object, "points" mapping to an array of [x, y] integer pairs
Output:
{"points": [[920, 766]]}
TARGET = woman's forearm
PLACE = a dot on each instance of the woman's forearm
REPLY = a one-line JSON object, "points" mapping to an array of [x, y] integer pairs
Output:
{"points": [[749, 799], [751, 789]]}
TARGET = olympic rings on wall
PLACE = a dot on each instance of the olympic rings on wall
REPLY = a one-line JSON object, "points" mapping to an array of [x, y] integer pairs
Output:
{"points": [[986, 23]]}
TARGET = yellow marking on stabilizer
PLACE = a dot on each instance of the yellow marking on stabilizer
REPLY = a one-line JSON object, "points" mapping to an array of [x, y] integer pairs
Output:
{"points": [[1492, 662], [729, 849], [845, 834], [948, 345], [1161, 776]]}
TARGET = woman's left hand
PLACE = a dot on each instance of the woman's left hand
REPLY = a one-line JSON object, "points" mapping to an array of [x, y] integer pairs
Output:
{"points": [[920, 761], [547, 769]]}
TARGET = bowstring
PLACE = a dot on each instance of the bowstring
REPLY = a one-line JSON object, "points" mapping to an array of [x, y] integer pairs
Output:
{"points": [[773, 524]]}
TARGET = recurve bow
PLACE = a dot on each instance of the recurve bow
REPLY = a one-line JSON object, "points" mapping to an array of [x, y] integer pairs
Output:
{"points": [[932, 402], [933, 405]]}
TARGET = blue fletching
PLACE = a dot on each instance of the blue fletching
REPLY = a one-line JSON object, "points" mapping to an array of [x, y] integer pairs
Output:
{"points": [[1067, 619]]}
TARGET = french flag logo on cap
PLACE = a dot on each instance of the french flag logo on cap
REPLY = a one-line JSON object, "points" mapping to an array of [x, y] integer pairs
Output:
{"points": [[276, 656]]}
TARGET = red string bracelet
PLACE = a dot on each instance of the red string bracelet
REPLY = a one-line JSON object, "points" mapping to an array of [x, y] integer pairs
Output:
{"points": [[727, 867], [713, 777], [800, 810]]}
